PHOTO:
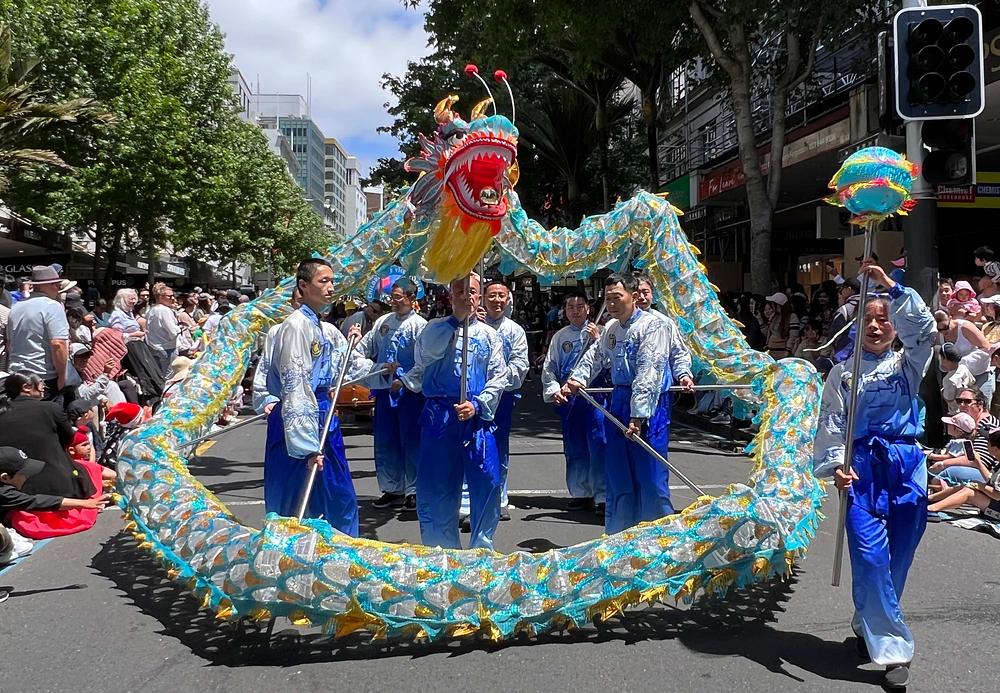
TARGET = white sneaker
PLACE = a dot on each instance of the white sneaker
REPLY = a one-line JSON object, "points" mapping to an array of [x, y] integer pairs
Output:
{"points": [[722, 418], [22, 545]]}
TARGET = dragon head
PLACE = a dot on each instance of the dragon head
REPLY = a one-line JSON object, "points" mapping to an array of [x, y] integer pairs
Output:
{"points": [[477, 169], [467, 169]]}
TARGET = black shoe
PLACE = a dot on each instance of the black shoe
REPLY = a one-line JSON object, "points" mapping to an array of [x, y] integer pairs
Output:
{"points": [[896, 676], [861, 648], [389, 500], [410, 503], [504, 515], [465, 525], [599, 509], [580, 503]]}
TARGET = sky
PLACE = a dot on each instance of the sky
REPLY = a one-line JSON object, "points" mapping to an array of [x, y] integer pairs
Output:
{"points": [[344, 45]]}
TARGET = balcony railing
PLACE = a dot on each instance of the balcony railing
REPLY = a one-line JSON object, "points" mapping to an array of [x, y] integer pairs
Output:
{"points": [[684, 148]]}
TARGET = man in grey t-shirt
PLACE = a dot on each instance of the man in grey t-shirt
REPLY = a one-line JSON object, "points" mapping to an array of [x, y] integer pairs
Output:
{"points": [[38, 334]]}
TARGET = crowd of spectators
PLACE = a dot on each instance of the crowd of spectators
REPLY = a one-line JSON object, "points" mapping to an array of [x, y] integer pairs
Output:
{"points": [[76, 373]]}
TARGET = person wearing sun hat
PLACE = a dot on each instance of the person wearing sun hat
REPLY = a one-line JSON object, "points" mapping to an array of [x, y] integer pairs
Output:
{"points": [[963, 303], [38, 333]]}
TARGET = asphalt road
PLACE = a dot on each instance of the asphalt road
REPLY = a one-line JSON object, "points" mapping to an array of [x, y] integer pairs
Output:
{"points": [[91, 613]]}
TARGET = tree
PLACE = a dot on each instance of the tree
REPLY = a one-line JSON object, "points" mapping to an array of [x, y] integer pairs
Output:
{"points": [[28, 118], [766, 49], [172, 159]]}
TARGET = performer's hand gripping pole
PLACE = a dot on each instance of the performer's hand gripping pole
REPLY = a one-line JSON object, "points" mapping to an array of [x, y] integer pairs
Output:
{"points": [[307, 492], [852, 407], [642, 443]]}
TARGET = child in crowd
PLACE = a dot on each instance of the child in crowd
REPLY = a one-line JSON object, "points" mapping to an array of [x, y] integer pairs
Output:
{"points": [[987, 259], [810, 341], [963, 303], [82, 452]]}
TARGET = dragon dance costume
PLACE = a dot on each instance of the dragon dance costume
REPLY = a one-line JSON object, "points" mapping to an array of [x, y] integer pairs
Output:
{"points": [[887, 510], [306, 356], [449, 448], [583, 434], [397, 414], [638, 354]]}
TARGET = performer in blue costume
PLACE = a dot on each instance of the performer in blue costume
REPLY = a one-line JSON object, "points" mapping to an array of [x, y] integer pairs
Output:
{"points": [[515, 355], [636, 348], [306, 356], [390, 342], [582, 424], [457, 439], [887, 486]]}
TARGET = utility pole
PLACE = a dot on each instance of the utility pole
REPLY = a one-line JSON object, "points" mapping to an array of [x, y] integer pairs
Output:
{"points": [[920, 225]]}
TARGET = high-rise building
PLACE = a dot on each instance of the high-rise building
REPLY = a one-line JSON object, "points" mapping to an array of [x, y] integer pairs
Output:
{"points": [[288, 114], [356, 202], [335, 185]]}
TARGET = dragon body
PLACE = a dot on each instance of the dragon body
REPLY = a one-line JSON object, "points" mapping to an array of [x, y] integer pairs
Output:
{"points": [[312, 574]]}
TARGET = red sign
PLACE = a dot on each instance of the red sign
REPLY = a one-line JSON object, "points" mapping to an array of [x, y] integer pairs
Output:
{"points": [[956, 193], [718, 182]]}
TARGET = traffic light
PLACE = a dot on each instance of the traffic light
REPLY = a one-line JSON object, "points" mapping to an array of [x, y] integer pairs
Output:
{"points": [[952, 157], [939, 62]]}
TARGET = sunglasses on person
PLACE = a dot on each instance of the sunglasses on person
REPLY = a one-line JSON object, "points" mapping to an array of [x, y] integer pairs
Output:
{"points": [[964, 400]]}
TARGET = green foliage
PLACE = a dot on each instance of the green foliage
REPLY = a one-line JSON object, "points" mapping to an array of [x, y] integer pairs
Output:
{"points": [[178, 168], [568, 67], [28, 119]]}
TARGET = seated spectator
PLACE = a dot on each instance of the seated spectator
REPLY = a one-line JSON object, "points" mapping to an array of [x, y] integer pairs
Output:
{"points": [[41, 430], [83, 416], [82, 453], [983, 495], [971, 371], [101, 387], [963, 303], [952, 465], [40, 515]]}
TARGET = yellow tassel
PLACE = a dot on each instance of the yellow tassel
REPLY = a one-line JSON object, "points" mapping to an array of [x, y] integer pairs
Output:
{"points": [[225, 613], [146, 545], [173, 573], [259, 614], [299, 618]]}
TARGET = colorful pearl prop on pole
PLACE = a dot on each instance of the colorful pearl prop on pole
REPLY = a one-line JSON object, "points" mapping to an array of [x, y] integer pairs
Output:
{"points": [[872, 184]]}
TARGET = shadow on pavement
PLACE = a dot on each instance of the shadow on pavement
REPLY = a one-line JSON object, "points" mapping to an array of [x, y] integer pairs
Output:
{"points": [[736, 625]]}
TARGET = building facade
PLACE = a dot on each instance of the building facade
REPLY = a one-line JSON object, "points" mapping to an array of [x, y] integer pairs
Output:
{"points": [[335, 193], [357, 203], [837, 112]]}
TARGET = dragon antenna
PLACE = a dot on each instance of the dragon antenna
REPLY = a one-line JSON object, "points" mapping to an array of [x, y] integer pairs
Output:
{"points": [[473, 71], [501, 76]]}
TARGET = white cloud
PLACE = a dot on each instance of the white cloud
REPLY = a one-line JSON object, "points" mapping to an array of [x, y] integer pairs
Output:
{"points": [[345, 45]]}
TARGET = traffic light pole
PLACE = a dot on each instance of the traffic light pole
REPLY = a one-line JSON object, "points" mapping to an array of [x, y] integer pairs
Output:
{"points": [[920, 225]]}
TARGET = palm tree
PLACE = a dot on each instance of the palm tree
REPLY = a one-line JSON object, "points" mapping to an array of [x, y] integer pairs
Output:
{"points": [[26, 117]]}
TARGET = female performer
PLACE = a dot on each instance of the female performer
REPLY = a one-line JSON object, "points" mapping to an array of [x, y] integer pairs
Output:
{"points": [[887, 484]]}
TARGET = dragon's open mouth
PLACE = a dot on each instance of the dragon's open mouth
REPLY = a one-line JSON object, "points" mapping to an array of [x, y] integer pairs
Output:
{"points": [[475, 175]]}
